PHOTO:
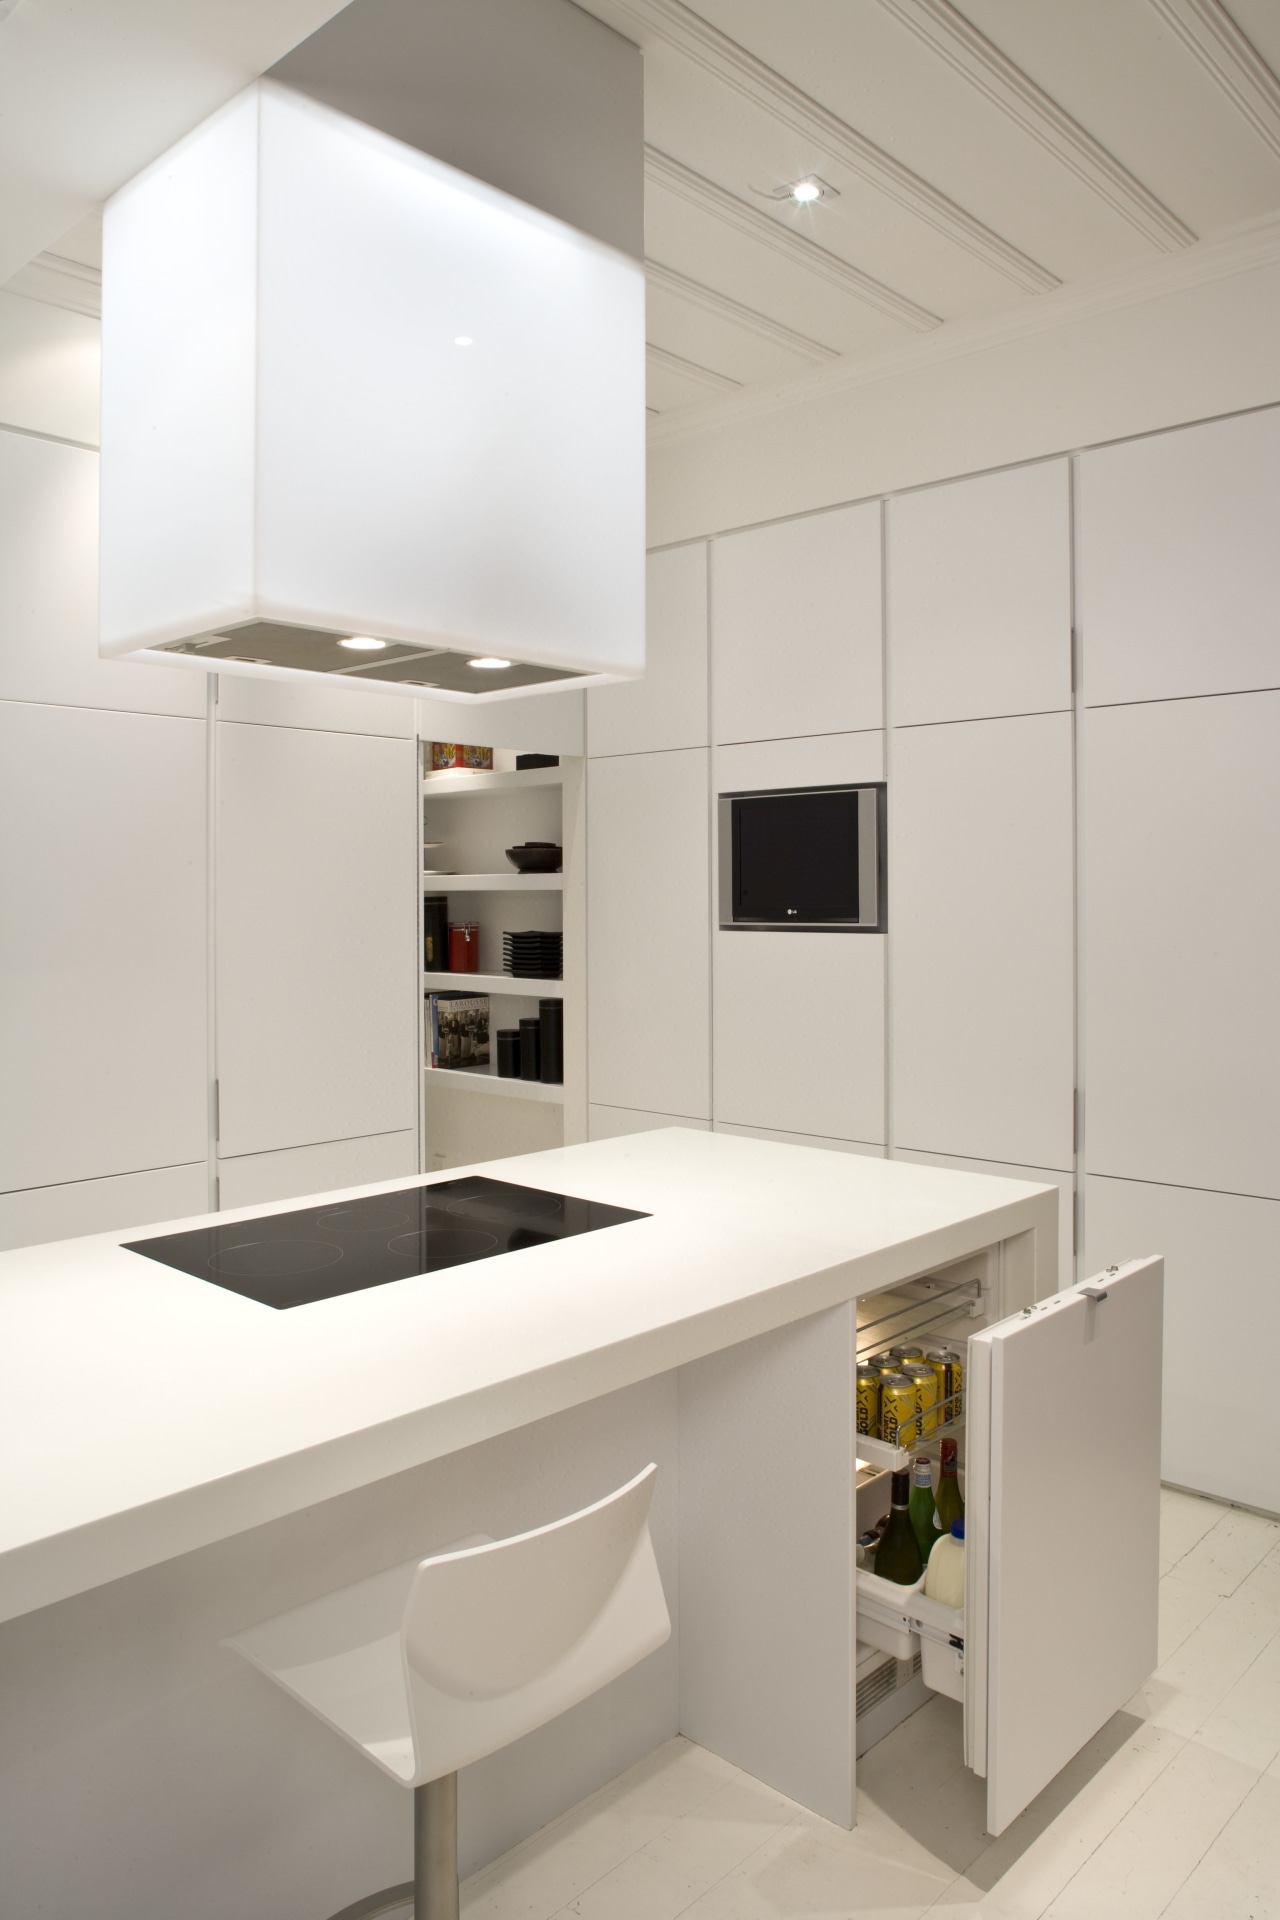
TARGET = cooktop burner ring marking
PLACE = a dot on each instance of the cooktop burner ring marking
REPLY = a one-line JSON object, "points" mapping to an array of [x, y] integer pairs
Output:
{"points": [[364, 1217], [530, 1204], [274, 1259], [453, 1246]]}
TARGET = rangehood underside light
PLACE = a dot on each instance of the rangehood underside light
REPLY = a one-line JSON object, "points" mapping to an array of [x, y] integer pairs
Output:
{"points": [[350, 394]]}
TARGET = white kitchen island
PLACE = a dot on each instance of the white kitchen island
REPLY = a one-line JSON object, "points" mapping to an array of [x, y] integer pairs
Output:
{"points": [[180, 1461]]}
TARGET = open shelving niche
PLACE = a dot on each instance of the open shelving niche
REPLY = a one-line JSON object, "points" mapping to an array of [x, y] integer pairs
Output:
{"points": [[468, 820]]}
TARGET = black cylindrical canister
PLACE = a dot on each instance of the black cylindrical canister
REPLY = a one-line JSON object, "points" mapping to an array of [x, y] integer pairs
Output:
{"points": [[530, 1050], [551, 1024], [508, 1053], [435, 932]]}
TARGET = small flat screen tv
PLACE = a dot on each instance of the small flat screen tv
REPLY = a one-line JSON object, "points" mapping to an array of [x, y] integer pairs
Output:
{"points": [[808, 858]]}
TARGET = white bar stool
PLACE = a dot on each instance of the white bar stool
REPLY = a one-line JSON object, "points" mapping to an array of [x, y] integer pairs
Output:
{"points": [[441, 1661]]}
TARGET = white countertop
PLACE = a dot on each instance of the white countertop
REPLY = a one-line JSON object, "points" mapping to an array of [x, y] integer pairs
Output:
{"points": [[144, 1413]]}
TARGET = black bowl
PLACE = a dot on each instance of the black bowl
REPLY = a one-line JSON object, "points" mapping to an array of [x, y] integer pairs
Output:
{"points": [[536, 857]]}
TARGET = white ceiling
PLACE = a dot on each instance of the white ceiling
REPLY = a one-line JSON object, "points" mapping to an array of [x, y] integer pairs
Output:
{"points": [[981, 159], [90, 92]]}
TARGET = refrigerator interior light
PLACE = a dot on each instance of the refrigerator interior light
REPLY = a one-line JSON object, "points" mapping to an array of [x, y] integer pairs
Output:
{"points": [[295, 455]]}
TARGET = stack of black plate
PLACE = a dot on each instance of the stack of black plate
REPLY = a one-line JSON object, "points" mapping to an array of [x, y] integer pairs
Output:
{"points": [[533, 956]]}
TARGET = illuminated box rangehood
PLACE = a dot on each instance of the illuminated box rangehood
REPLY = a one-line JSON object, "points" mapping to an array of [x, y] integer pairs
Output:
{"points": [[351, 394]]}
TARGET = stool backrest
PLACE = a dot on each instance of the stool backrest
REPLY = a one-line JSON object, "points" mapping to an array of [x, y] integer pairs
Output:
{"points": [[500, 1638]]}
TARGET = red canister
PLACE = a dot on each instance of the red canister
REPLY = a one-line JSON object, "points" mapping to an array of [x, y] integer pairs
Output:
{"points": [[464, 947]]}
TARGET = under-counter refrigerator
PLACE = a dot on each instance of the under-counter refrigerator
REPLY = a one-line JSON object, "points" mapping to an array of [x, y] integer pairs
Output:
{"points": [[795, 1658], [1060, 1428]]}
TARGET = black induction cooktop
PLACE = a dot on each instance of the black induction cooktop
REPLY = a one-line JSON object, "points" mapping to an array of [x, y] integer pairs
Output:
{"points": [[313, 1253]]}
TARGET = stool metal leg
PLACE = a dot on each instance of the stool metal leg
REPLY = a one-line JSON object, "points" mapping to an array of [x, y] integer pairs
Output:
{"points": [[435, 1849], [433, 1891]]}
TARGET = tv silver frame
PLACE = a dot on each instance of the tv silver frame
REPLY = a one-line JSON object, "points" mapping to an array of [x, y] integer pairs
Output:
{"points": [[871, 860]]}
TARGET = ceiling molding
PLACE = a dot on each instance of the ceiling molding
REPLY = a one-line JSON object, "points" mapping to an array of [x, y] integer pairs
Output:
{"points": [[724, 308], [59, 283], [690, 370], [663, 171], [1250, 248], [1207, 30], [992, 74], [678, 27]]}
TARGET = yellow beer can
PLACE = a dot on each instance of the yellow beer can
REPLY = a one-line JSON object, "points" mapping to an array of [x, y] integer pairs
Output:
{"points": [[869, 1399], [899, 1410], [925, 1381], [954, 1360]]}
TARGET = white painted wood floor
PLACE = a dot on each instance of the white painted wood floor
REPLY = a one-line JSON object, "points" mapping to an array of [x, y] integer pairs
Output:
{"points": [[1173, 1810]]}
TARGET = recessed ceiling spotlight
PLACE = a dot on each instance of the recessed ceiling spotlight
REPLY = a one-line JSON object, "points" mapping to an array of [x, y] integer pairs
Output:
{"points": [[362, 643], [802, 192], [488, 663], [463, 340]]}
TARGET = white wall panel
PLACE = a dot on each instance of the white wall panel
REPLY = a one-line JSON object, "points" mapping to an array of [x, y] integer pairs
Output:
{"points": [[981, 939], [648, 885], [1222, 1257], [258, 1177], [291, 703], [103, 1027], [1182, 942], [799, 1032], [837, 757], [1040, 1176], [538, 723], [608, 1123], [49, 590], [668, 707], [99, 1206], [795, 628], [318, 936], [979, 596], [1179, 562], [50, 368]]}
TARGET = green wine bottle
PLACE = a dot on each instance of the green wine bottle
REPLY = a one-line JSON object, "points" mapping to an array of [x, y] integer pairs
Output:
{"points": [[920, 1506], [948, 1501], [898, 1555]]}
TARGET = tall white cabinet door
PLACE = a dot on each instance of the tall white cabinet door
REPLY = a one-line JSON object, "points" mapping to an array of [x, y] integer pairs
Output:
{"points": [[799, 1033], [1222, 1257], [981, 940], [796, 642], [1182, 943], [648, 933], [1062, 1527], [1179, 561], [668, 707], [978, 596], [318, 936], [103, 1020]]}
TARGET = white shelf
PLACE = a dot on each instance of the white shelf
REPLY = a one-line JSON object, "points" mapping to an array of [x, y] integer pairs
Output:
{"points": [[459, 780], [493, 882], [493, 983], [485, 1080]]}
